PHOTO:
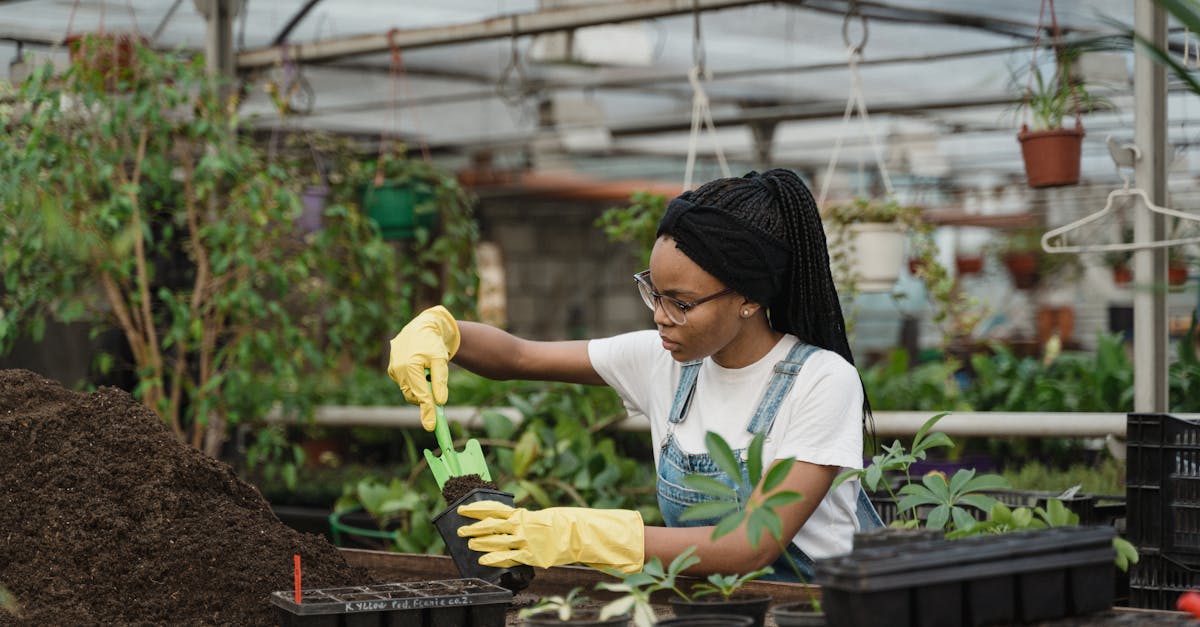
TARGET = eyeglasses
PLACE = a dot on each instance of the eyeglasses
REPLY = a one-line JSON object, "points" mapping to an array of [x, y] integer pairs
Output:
{"points": [[675, 309]]}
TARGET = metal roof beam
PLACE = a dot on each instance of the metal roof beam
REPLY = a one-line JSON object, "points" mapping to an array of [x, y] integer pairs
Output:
{"points": [[516, 24]]}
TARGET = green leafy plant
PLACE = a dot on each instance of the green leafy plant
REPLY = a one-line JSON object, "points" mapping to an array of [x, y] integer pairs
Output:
{"points": [[563, 607], [635, 223], [947, 498], [399, 508], [636, 588], [153, 214], [894, 385], [1051, 99], [727, 585]]}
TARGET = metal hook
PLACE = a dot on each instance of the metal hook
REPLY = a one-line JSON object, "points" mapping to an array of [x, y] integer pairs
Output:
{"points": [[515, 94], [851, 12]]}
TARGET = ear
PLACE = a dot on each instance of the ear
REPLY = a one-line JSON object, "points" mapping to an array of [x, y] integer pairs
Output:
{"points": [[748, 308]]}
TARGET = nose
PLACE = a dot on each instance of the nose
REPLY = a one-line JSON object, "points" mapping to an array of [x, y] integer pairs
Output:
{"points": [[660, 314]]}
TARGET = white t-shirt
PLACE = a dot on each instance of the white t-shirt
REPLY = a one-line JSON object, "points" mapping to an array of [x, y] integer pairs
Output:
{"points": [[820, 420]]}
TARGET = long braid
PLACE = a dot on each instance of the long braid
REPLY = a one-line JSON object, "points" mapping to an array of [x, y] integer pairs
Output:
{"points": [[780, 204]]}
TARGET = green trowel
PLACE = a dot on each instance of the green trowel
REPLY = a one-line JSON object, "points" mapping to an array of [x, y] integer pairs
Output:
{"points": [[452, 463]]}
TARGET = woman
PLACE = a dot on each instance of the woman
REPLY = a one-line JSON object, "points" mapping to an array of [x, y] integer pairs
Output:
{"points": [[750, 339]]}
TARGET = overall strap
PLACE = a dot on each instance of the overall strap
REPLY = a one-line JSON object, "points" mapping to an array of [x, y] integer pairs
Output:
{"points": [[684, 391], [781, 383]]}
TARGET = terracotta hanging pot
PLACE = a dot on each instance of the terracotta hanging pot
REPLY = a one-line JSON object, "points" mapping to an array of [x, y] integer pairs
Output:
{"points": [[1051, 156], [1023, 267]]}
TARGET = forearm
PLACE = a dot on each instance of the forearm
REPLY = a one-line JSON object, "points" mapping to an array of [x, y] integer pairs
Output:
{"points": [[730, 553], [500, 355]]}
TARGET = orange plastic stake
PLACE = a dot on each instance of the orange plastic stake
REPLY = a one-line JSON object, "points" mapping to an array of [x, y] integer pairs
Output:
{"points": [[296, 569]]}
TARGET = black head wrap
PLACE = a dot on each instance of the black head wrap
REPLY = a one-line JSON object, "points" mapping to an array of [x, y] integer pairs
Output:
{"points": [[751, 261]]}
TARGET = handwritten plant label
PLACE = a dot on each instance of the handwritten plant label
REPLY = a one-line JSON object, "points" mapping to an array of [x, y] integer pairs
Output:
{"points": [[384, 605]]}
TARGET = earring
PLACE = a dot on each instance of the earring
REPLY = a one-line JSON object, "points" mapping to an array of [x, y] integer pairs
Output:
{"points": [[745, 313]]}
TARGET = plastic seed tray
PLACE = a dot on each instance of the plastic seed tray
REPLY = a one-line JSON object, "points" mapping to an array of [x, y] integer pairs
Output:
{"points": [[1012, 578], [445, 603]]}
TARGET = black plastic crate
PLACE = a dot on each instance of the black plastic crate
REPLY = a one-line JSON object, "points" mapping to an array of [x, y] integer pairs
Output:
{"points": [[1162, 484], [444, 603], [1157, 580], [996, 579]]}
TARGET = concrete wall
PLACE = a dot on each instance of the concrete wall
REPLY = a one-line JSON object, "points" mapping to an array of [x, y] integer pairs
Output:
{"points": [[563, 278]]}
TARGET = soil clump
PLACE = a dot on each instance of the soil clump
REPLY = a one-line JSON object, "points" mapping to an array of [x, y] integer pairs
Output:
{"points": [[106, 518]]}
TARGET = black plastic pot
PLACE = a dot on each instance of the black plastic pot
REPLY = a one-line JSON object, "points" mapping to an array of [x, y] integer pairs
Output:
{"points": [[1013, 578], [707, 620], [585, 618], [445, 603], [753, 607], [513, 578], [798, 614], [893, 536]]}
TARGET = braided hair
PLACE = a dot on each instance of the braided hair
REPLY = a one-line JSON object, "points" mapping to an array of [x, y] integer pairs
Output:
{"points": [[779, 204]]}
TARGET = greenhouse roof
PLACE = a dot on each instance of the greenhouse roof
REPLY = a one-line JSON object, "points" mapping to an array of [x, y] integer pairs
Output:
{"points": [[604, 86]]}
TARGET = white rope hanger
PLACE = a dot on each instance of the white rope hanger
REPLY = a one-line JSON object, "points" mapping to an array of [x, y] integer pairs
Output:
{"points": [[855, 102], [700, 108]]}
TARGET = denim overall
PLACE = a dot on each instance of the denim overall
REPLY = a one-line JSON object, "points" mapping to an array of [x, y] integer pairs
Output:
{"points": [[674, 464]]}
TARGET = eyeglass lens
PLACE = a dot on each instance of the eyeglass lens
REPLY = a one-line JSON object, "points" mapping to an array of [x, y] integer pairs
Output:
{"points": [[677, 315]]}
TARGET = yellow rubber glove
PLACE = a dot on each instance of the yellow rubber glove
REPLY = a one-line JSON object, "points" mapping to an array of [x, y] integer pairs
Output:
{"points": [[427, 341], [600, 538]]}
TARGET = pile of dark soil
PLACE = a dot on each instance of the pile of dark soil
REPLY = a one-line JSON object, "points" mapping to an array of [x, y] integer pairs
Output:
{"points": [[106, 518]]}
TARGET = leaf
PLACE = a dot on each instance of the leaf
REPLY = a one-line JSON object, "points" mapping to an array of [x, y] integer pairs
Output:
{"points": [[925, 427], [710, 486], [962, 520], [722, 455], [778, 472], [846, 476], [754, 459], [728, 524], [708, 510], [938, 517], [873, 477]]}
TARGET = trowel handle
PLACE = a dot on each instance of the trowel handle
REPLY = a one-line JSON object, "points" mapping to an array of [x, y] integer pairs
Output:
{"points": [[441, 431]]}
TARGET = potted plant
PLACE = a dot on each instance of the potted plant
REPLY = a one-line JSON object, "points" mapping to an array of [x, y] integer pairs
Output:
{"points": [[1029, 265], [560, 610], [1052, 152], [866, 241]]}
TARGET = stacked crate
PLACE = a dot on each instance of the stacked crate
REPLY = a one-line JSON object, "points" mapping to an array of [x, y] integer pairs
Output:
{"points": [[1162, 487]]}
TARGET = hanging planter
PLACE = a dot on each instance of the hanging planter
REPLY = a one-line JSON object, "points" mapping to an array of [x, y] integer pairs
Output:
{"points": [[1051, 151], [1051, 156], [110, 59], [867, 244], [1023, 267], [400, 208], [313, 200], [968, 264]]}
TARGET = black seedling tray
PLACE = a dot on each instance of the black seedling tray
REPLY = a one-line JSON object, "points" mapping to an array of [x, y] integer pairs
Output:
{"points": [[445, 603], [1012, 578]]}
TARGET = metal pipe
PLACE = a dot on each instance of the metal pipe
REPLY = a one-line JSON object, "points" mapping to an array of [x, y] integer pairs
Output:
{"points": [[1150, 390], [514, 25], [887, 423]]}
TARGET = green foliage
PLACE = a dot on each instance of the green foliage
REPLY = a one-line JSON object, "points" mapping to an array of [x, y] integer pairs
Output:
{"points": [[931, 386], [1002, 519], [637, 587], [1073, 382], [563, 451], [635, 223], [726, 585], [400, 509], [1104, 477], [759, 517], [1051, 99], [143, 208], [563, 607], [948, 498]]}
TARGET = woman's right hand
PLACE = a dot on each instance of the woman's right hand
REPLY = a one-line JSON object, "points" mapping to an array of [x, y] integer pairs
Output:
{"points": [[427, 341]]}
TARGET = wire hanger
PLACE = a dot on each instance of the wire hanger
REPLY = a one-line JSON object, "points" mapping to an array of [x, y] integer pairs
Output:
{"points": [[1123, 155]]}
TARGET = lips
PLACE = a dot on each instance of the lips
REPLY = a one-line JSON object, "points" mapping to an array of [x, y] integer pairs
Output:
{"points": [[668, 344]]}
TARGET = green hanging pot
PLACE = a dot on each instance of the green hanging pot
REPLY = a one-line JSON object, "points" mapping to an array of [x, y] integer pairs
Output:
{"points": [[400, 208]]}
